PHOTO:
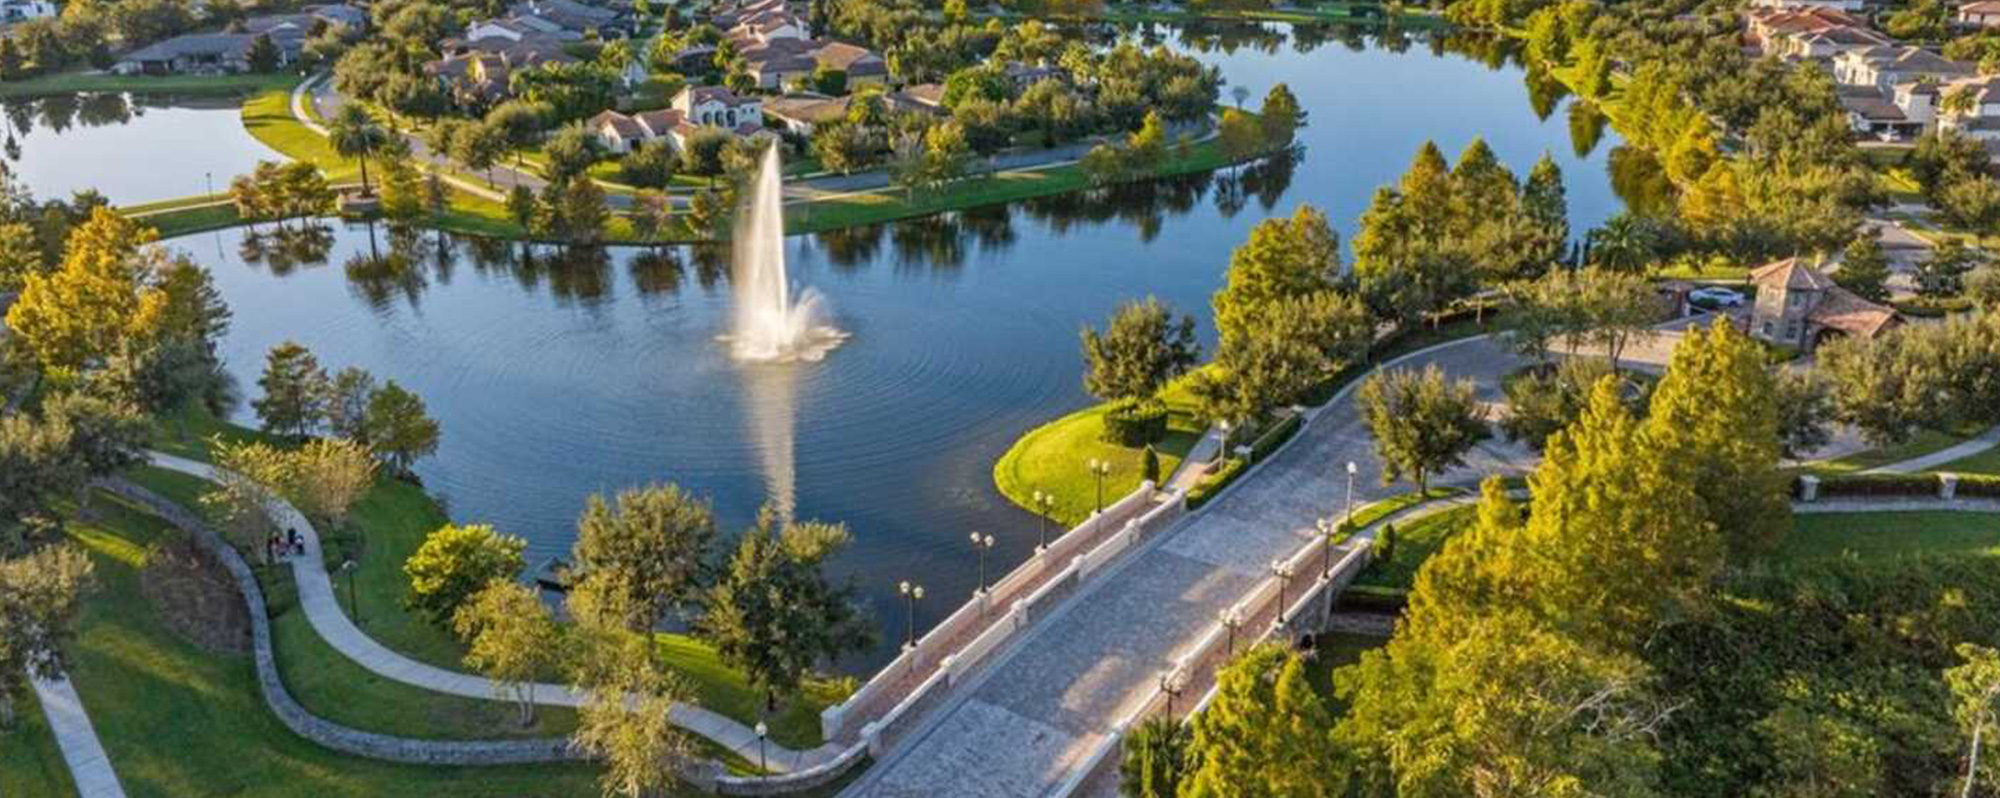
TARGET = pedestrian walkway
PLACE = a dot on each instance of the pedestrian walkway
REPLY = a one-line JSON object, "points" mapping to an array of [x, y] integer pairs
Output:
{"points": [[1985, 440], [322, 608], [81, 750]]}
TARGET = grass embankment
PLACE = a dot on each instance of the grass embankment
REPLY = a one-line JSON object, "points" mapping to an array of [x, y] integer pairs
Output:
{"points": [[72, 82], [1986, 462], [179, 720], [1415, 542], [1883, 536], [388, 525], [1052, 458], [30, 761]]}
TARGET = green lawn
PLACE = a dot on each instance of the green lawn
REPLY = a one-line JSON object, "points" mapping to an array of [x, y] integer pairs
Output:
{"points": [[393, 520], [1415, 542], [1986, 462], [69, 82], [1822, 536], [268, 117], [30, 761], [177, 720], [1052, 458], [1923, 443]]}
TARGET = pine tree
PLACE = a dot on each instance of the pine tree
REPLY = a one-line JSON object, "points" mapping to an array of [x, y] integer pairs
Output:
{"points": [[1864, 269], [295, 390], [1267, 733], [1282, 116], [1714, 417]]}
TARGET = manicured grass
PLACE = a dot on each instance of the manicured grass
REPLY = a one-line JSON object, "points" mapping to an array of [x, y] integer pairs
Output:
{"points": [[1052, 459], [1986, 462], [1415, 542], [68, 82], [1872, 536], [177, 720], [391, 522], [268, 117], [186, 221], [30, 761], [1923, 443]]}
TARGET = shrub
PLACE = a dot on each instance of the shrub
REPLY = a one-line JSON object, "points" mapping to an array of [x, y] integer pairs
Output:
{"points": [[455, 562], [1274, 437], [1135, 424], [1150, 466], [1875, 485], [1213, 483], [1370, 598]]}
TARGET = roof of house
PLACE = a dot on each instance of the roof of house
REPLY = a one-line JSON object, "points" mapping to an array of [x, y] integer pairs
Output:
{"points": [[1983, 7], [806, 107], [193, 44], [1843, 310], [704, 94], [852, 59], [659, 122], [931, 94], [619, 123], [1874, 108], [1790, 274]]}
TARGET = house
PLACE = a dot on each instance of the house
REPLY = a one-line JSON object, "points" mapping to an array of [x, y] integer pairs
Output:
{"points": [[1918, 102], [1025, 75], [1850, 6], [1767, 27], [1827, 44], [477, 74], [1799, 306], [519, 28], [715, 106], [777, 63], [12, 11], [1983, 14], [1980, 115], [927, 94], [195, 53], [576, 17], [803, 112], [621, 133], [1872, 113], [862, 65], [1886, 67]]}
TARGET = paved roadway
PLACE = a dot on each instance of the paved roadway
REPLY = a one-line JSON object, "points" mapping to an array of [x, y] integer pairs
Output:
{"points": [[1026, 724]]}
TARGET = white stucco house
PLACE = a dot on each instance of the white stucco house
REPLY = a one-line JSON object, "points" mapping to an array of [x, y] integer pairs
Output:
{"points": [[12, 11]]}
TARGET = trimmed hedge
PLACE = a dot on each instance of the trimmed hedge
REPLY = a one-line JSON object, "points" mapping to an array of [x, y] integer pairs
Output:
{"points": [[1135, 424], [1372, 598], [1905, 485], [1275, 437], [1213, 483]]}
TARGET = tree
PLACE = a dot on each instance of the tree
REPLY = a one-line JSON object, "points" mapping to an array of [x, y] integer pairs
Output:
{"points": [[649, 166], [1282, 116], [456, 562], [1715, 417], [1282, 258], [1982, 286], [570, 153], [1974, 687], [104, 437], [40, 598], [101, 298], [510, 638], [1805, 412], [1864, 270], [1625, 243], [1140, 350], [295, 391], [325, 477], [36, 472], [354, 133], [264, 56], [403, 199], [1422, 423], [522, 207], [1943, 274], [479, 146], [398, 427], [626, 718], [773, 615], [643, 557], [842, 147], [1266, 733], [829, 80], [1242, 136], [1156, 759], [985, 82], [240, 504]]}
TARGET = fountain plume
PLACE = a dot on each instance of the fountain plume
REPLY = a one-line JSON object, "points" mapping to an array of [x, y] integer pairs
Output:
{"points": [[769, 324]]}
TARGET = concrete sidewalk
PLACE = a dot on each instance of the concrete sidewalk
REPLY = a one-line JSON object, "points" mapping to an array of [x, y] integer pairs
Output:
{"points": [[81, 750], [323, 611], [1985, 440]]}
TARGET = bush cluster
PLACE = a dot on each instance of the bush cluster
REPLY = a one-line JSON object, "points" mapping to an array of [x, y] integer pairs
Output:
{"points": [[1133, 424]]}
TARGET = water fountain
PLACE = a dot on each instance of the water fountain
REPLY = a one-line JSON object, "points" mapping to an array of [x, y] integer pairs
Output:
{"points": [[770, 325]]}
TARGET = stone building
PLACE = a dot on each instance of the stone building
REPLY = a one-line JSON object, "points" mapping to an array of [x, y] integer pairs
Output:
{"points": [[1799, 306]]}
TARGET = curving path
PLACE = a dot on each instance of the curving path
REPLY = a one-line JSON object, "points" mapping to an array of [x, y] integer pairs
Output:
{"points": [[88, 765], [1044, 704], [323, 611]]}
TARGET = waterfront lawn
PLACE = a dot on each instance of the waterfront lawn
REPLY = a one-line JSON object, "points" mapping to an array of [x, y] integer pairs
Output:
{"points": [[30, 761], [178, 720], [1051, 458], [1889, 535], [72, 82], [268, 117], [1415, 542], [391, 522]]}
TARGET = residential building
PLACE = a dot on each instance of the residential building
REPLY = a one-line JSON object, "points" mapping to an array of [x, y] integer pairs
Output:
{"points": [[195, 53], [1887, 67], [777, 63], [1971, 106], [1799, 306], [622, 133], [715, 106], [1983, 14], [1870, 112], [804, 112], [576, 17], [1918, 102], [1850, 6], [1769, 30], [12, 11], [477, 73], [1025, 75]]}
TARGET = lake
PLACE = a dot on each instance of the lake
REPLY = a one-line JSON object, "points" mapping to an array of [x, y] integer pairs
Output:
{"points": [[132, 148], [556, 378]]}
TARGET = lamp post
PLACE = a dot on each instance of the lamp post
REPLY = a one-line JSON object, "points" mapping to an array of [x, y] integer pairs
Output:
{"points": [[1100, 469], [982, 544], [1172, 683], [912, 594], [1044, 504], [1224, 454], [762, 764], [352, 608], [1283, 571], [1326, 530], [1232, 618], [1352, 469]]}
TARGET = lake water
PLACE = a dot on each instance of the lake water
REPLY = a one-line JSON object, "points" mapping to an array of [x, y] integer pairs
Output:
{"points": [[132, 148], [555, 379]]}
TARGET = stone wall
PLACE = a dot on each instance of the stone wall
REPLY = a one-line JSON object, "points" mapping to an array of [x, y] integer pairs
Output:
{"points": [[290, 712]]}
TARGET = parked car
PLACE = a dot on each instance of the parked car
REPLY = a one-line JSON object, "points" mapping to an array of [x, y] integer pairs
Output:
{"points": [[1716, 296]]}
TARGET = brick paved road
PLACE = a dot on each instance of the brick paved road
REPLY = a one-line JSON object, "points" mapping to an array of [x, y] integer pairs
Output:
{"points": [[1024, 726]]}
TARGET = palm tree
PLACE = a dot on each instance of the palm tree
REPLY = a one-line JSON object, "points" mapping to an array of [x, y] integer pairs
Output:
{"points": [[1625, 243], [1957, 101], [354, 134]]}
